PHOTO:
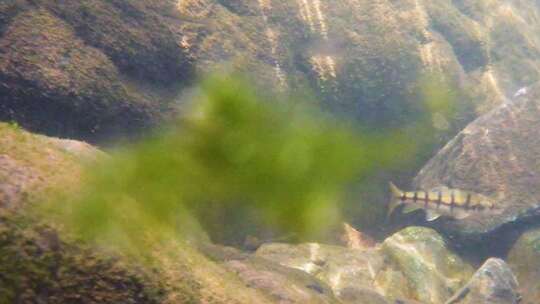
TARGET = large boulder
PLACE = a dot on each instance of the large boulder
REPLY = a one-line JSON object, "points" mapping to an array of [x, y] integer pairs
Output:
{"points": [[360, 57], [493, 283], [524, 259], [496, 155]]}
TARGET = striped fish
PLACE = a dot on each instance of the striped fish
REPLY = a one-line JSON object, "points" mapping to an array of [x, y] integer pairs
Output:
{"points": [[454, 203]]}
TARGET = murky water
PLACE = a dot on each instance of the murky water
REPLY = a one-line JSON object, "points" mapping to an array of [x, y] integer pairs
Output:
{"points": [[236, 151]]}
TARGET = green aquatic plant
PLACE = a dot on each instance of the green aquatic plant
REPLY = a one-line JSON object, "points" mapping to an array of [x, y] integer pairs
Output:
{"points": [[235, 163]]}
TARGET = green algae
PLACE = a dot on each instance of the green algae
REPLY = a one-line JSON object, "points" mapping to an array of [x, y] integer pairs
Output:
{"points": [[232, 156]]}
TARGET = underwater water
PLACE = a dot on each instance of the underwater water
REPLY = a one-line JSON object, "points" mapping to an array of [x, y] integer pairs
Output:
{"points": [[293, 151]]}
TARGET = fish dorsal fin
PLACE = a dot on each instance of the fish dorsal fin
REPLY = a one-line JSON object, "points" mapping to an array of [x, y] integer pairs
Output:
{"points": [[410, 208], [431, 215]]}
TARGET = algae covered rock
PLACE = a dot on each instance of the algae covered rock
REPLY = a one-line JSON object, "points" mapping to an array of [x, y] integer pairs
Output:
{"points": [[363, 58], [40, 265], [91, 70], [496, 155], [137, 35], [431, 271], [36, 265], [52, 82], [493, 283], [524, 259], [33, 165]]}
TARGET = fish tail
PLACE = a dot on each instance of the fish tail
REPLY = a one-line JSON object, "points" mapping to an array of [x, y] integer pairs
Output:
{"points": [[395, 200]]}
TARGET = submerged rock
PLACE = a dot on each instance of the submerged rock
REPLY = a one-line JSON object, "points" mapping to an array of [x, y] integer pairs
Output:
{"points": [[91, 70], [496, 155], [360, 57], [363, 296], [52, 82], [413, 264], [432, 273], [524, 259], [279, 283], [40, 266], [30, 165], [36, 265], [493, 283], [339, 267]]}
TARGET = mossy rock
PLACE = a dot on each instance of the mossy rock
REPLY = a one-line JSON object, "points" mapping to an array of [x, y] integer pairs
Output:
{"points": [[38, 264], [38, 267], [52, 82], [91, 70], [32, 166], [136, 35], [468, 42], [362, 59], [9, 9]]}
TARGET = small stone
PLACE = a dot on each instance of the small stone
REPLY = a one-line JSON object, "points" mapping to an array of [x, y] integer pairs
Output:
{"points": [[493, 283]]}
